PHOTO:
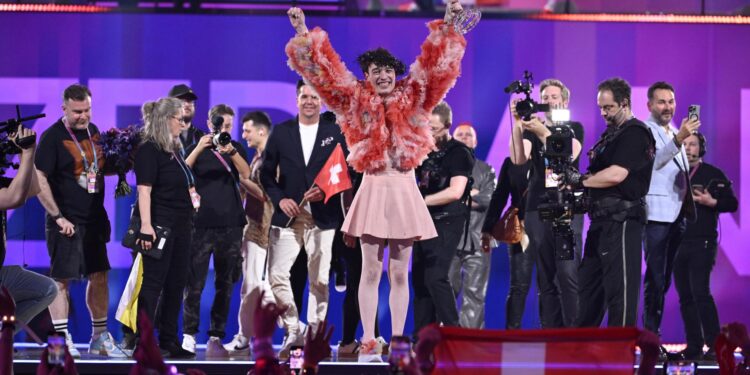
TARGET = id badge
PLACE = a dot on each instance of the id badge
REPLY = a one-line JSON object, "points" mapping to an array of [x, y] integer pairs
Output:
{"points": [[91, 182], [195, 198], [550, 178]]}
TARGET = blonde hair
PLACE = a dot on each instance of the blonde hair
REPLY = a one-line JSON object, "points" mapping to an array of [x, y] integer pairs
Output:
{"points": [[564, 90], [156, 123]]}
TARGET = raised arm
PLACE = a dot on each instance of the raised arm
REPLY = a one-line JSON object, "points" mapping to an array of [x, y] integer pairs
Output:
{"points": [[312, 57], [439, 63]]}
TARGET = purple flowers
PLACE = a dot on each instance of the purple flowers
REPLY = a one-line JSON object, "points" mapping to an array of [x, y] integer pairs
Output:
{"points": [[119, 146]]}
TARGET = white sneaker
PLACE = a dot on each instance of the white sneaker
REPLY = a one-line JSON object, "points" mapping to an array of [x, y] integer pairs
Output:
{"points": [[239, 345], [71, 347], [188, 343], [214, 348]]}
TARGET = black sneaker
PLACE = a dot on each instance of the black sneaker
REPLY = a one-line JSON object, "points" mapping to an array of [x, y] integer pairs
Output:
{"points": [[710, 355], [175, 351], [688, 354]]}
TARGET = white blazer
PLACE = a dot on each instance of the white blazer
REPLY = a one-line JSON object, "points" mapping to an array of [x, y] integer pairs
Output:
{"points": [[668, 184]]}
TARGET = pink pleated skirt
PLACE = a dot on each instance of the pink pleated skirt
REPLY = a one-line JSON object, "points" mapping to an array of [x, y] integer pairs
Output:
{"points": [[388, 205]]}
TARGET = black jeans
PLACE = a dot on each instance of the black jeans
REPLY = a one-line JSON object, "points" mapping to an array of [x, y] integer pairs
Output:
{"points": [[434, 301], [352, 258], [692, 278], [557, 279], [661, 241], [521, 267], [225, 244], [164, 279], [610, 273]]}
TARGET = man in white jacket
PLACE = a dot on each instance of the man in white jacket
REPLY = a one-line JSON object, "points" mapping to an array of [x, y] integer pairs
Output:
{"points": [[669, 200]]}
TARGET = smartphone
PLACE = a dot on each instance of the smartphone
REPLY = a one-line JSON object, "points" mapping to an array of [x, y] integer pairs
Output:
{"points": [[56, 350], [400, 354], [296, 357], [680, 368], [698, 188], [694, 112]]}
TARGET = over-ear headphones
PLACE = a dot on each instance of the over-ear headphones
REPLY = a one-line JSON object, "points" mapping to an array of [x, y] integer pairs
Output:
{"points": [[701, 143]]}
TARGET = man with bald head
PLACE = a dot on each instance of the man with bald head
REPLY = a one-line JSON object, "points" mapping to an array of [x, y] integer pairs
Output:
{"points": [[470, 269]]}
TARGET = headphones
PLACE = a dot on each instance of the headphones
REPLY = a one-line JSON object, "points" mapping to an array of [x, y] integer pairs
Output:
{"points": [[701, 143]]}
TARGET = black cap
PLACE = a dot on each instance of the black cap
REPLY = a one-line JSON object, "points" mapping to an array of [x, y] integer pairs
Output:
{"points": [[183, 92]]}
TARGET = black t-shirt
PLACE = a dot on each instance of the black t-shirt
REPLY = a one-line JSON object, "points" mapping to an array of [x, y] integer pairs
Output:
{"points": [[4, 183], [707, 217], [166, 174], [539, 166], [455, 159], [633, 149], [221, 205], [60, 159]]}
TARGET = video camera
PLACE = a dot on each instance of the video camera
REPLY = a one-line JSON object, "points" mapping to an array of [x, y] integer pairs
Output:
{"points": [[526, 107], [558, 205], [7, 147], [220, 138]]}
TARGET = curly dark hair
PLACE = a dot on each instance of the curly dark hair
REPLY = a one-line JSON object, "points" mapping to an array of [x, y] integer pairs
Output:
{"points": [[380, 57], [620, 89]]}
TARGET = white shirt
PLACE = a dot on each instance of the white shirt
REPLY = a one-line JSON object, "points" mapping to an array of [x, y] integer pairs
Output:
{"points": [[307, 134]]}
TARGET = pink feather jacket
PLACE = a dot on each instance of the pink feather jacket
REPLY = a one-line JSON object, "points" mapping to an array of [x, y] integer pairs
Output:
{"points": [[394, 127]]}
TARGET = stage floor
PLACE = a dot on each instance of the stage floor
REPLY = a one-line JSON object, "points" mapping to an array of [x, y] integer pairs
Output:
{"points": [[27, 358]]}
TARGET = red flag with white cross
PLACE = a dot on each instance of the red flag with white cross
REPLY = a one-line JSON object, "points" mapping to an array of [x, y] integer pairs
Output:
{"points": [[333, 178]]}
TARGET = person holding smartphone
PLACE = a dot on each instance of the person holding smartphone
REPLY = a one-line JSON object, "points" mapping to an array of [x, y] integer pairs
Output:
{"points": [[669, 200], [696, 254]]}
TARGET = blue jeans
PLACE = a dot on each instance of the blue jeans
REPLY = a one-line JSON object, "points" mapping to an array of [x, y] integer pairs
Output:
{"points": [[31, 291]]}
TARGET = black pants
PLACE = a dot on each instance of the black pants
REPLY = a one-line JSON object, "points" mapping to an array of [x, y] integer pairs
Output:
{"points": [[661, 241], [610, 273], [352, 262], [166, 277], [434, 301], [521, 267], [557, 279], [692, 278], [225, 244]]}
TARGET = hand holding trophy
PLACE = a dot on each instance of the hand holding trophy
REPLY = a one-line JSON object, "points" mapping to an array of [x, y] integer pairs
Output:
{"points": [[463, 20]]}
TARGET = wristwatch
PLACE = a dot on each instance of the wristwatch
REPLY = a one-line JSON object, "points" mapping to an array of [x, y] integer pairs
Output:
{"points": [[58, 216]]}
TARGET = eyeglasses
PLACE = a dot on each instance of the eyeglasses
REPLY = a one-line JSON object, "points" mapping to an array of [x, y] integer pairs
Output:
{"points": [[181, 120]]}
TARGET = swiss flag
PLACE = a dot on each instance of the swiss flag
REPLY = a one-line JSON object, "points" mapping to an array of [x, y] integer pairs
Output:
{"points": [[609, 351], [333, 178]]}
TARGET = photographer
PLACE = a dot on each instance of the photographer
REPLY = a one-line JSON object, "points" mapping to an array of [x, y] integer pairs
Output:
{"points": [[557, 278], [218, 164], [31, 291], [696, 254], [618, 180]]}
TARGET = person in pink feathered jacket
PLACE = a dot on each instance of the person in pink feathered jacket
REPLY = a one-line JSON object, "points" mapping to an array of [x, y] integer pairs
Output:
{"points": [[385, 123]]}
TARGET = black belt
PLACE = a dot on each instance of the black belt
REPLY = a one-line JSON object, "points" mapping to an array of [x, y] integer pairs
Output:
{"points": [[616, 209]]}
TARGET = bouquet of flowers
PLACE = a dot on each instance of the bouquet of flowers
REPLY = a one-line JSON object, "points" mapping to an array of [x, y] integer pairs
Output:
{"points": [[119, 147]]}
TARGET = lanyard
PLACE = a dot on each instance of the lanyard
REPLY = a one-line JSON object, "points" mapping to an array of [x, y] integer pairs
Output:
{"points": [[692, 173], [83, 154], [185, 169], [224, 162]]}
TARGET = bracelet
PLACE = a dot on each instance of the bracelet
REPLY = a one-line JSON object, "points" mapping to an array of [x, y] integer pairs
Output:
{"points": [[233, 152], [58, 216]]}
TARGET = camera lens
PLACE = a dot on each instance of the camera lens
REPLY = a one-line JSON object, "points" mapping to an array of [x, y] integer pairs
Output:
{"points": [[222, 139]]}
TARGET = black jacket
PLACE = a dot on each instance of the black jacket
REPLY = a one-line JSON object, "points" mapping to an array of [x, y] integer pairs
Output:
{"points": [[284, 154]]}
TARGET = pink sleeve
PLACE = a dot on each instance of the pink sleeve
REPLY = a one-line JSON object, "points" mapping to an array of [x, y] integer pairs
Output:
{"points": [[439, 64], [313, 57]]}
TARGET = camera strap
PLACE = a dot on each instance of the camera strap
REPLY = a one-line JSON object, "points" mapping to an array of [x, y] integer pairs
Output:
{"points": [[229, 170]]}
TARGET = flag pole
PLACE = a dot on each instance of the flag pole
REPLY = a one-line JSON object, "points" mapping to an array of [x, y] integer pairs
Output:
{"points": [[302, 203]]}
